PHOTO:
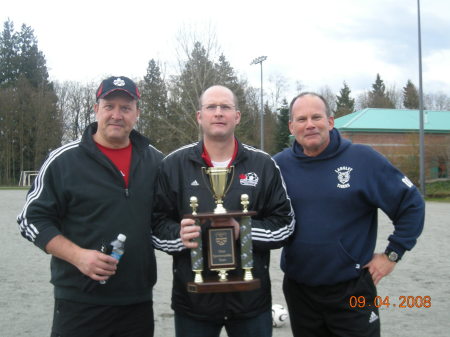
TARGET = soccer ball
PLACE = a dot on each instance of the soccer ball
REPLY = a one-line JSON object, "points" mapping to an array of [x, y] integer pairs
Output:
{"points": [[279, 315]]}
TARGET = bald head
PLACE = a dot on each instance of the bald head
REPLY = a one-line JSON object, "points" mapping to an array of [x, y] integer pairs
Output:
{"points": [[218, 89]]}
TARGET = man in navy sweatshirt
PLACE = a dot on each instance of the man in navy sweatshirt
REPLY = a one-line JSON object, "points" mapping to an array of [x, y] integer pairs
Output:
{"points": [[336, 188]]}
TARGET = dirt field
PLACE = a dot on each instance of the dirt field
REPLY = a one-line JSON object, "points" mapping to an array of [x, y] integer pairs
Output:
{"points": [[26, 300]]}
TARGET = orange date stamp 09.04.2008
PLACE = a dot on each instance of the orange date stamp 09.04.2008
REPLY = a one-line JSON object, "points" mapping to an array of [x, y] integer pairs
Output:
{"points": [[390, 301]]}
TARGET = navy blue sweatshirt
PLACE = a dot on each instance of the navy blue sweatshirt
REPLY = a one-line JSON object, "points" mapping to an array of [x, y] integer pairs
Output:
{"points": [[335, 196]]}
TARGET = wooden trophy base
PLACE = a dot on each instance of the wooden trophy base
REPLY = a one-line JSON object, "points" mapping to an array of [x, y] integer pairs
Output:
{"points": [[221, 254], [233, 284]]}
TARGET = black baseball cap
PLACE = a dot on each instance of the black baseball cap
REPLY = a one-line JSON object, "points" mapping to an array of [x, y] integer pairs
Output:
{"points": [[115, 83]]}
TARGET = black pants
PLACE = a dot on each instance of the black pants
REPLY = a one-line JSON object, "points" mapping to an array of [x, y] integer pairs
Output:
{"points": [[73, 319], [326, 311]]}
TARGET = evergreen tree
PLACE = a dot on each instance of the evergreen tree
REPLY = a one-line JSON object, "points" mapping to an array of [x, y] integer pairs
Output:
{"points": [[226, 76], [197, 74], [32, 125], [155, 122], [344, 103], [225, 73], [283, 132], [9, 55], [410, 96], [378, 97], [32, 61]]}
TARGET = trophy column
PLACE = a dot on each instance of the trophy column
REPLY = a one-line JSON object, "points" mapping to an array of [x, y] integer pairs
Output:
{"points": [[197, 253], [246, 240]]}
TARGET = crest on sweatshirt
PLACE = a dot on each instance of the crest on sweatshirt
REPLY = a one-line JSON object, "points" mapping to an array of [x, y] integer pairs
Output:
{"points": [[343, 176], [248, 179]]}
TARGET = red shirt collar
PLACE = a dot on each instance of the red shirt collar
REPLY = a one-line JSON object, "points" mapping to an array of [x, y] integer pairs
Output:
{"points": [[207, 158]]}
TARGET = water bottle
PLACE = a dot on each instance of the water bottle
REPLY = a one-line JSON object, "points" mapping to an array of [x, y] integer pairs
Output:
{"points": [[118, 248]]}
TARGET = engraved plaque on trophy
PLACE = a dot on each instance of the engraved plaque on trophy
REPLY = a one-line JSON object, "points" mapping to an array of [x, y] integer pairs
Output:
{"points": [[221, 244]]}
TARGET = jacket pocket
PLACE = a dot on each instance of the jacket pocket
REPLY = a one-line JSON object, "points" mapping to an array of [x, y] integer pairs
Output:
{"points": [[319, 263]]}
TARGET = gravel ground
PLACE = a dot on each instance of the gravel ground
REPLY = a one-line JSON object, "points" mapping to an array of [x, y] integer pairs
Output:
{"points": [[26, 300]]}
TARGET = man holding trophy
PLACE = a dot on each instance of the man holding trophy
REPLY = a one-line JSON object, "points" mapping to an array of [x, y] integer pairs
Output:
{"points": [[220, 207]]}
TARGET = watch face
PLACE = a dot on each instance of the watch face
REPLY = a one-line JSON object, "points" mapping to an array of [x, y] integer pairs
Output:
{"points": [[393, 256]]}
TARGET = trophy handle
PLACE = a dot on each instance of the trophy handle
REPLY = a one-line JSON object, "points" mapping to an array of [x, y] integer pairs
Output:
{"points": [[207, 183], [231, 168]]}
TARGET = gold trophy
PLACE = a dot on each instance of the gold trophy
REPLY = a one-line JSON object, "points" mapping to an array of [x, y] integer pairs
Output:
{"points": [[221, 245], [218, 177]]}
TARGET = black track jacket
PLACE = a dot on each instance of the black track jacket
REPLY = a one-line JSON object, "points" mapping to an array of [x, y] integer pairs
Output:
{"points": [[80, 194], [256, 174]]}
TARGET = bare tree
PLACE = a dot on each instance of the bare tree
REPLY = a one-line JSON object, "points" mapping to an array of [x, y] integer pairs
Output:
{"points": [[299, 86], [329, 96], [279, 88], [437, 101], [395, 96], [76, 103]]}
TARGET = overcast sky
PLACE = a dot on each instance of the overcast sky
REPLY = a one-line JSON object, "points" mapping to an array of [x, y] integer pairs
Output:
{"points": [[320, 42]]}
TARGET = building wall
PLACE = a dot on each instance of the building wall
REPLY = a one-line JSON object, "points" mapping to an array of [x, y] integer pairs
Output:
{"points": [[402, 149]]}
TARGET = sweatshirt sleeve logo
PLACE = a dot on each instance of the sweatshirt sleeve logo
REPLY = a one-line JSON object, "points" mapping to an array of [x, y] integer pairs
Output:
{"points": [[343, 176], [407, 182]]}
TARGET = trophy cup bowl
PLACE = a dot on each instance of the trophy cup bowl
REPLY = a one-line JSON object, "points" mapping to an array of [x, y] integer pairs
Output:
{"points": [[218, 177]]}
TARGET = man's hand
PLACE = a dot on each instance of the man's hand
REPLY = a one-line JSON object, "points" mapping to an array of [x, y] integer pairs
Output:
{"points": [[189, 231], [92, 263], [379, 267], [229, 221], [96, 265]]}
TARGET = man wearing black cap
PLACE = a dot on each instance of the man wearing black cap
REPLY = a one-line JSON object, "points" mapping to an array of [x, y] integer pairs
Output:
{"points": [[87, 192]]}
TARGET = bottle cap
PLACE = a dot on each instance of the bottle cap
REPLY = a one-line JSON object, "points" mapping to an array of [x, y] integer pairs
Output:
{"points": [[121, 237]]}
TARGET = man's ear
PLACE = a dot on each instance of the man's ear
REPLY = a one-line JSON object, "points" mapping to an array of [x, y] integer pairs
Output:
{"points": [[330, 123], [291, 128], [238, 117]]}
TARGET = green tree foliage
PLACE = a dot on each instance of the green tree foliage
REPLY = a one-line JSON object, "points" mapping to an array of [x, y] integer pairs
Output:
{"points": [[249, 111], [410, 96], [378, 98], [9, 60], [155, 121], [344, 103], [31, 124], [282, 134], [197, 74]]}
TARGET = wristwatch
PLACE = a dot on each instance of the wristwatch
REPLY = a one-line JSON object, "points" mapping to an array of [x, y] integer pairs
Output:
{"points": [[392, 255]]}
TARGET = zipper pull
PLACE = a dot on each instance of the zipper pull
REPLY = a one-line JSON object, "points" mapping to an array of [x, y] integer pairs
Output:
{"points": [[126, 193]]}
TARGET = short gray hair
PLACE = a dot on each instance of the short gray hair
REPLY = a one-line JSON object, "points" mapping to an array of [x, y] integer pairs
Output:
{"points": [[310, 93]]}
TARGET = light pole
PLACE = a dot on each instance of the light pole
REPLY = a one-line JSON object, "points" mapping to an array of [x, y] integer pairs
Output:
{"points": [[421, 131], [260, 60]]}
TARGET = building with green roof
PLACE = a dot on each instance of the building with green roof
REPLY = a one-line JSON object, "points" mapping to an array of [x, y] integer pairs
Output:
{"points": [[395, 133]]}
